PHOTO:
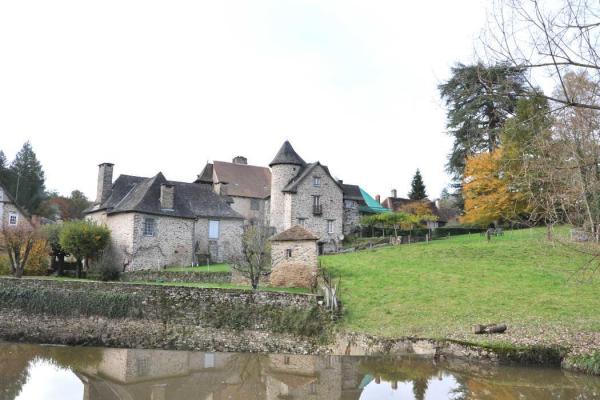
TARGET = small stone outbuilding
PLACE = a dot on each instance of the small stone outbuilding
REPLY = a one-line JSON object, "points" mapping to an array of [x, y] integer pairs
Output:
{"points": [[294, 258]]}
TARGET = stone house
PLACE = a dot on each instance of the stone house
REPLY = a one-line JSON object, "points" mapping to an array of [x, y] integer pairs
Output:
{"points": [[11, 215], [396, 204], [294, 258], [306, 194], [155, 222], [247, 187]]}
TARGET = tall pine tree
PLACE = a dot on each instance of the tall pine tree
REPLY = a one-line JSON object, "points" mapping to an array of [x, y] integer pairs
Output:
{"points": [[26, 179], [417, 187], [479, 99], [4, 173]]}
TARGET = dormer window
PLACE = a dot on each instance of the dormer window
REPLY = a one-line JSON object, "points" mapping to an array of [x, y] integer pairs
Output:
{"points": [[316, 181]]}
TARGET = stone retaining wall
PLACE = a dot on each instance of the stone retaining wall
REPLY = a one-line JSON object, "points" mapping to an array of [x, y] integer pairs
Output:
{"points": [[172, 276], [186, 317]]}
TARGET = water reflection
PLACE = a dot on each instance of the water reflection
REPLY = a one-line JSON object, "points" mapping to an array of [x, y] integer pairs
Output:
{"points": [[29, 372]]}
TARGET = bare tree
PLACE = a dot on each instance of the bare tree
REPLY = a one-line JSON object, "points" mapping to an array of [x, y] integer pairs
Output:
{"points": [[18, 242], [548, 38], [255, 260]]}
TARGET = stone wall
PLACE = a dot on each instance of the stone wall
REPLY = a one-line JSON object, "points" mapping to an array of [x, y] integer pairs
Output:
{"points": [[332, 204], [299, 270], [243, 206], [164, 316], [173, 276], [351, 217], [280, 176], [171, 244], [8, 208], [229, 244]]}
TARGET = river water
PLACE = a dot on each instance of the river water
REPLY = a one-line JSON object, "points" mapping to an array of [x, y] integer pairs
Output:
{"points": [[33, 372]]}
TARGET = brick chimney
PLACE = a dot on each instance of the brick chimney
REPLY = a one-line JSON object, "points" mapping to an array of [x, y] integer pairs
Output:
{"points": [[240, 160], [104, 188], [167, 196], [394, 193], [378, 198]]}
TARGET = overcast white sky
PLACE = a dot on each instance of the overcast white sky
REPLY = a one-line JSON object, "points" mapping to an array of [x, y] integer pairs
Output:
{"points": [[167, 85]]}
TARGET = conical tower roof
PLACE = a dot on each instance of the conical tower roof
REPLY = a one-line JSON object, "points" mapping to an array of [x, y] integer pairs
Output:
{"points": [[287, 155]]}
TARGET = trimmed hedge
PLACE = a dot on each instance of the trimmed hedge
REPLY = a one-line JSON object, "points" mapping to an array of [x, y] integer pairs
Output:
{"points": [[72, 303]]}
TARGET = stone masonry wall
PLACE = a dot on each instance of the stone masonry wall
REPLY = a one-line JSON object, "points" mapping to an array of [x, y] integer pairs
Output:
{"points": [[229, 244], [171, 244], [175, 276], [299, 270], [280, 177], [172, 317], [8, 208], [332, 205], [243, 206], [351, 218]]}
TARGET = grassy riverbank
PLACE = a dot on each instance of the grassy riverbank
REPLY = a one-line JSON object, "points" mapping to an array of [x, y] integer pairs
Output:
{"points": [[441, 289]]}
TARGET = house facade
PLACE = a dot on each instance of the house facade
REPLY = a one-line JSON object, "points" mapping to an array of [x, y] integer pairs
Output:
{"points": [[306, 194], [11, 215], [155, 222], [247, 187]]}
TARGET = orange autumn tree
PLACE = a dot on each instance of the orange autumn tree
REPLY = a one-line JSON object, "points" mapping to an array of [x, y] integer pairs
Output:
{"points": [[487, 190]]}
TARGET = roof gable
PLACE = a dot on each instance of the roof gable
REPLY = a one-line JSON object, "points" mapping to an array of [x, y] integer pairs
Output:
{"points": [[243, 180], [292, 186]]}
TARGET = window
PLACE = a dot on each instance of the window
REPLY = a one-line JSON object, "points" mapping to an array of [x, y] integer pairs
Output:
{"points": [[330, 225], [312, 388], [254, 204], [209, 360], [302, 222], [316, 181], [149, 226], [349, 203], [286, 360], [316, 201], [13, 218], [213, 229], [288, 253]]}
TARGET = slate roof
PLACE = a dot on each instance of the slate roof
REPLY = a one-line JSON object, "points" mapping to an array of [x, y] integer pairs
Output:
{"points": [[352, 192], [287, 155], [138, 194], [244, 180], [292, 186], [294, 233], [206, 176]]}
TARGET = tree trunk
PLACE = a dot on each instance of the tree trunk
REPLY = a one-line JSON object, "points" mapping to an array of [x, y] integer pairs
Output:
{"points": [[492, 328], [78, 268], [60, 265]]}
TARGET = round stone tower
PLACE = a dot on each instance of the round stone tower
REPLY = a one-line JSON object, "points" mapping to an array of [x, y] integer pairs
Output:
{"points": [[284, 167]]}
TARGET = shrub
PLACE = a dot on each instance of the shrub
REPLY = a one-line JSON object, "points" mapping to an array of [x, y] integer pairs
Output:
{"points": [[106, 266], [85, 240], [4, 265], [38, 261]]}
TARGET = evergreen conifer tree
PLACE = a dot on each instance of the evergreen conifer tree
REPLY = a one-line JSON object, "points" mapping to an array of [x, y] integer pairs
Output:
{"points": [[26, 179], [417, 188]]}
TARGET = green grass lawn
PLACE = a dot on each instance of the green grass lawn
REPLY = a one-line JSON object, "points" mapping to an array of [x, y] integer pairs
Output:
{"points": [[202, 268], [437, 289]]}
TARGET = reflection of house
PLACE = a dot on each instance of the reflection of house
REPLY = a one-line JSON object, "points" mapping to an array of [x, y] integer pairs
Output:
{"points": [[177, 375]]}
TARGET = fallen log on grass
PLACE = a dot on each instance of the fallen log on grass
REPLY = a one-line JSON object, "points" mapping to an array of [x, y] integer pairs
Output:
{"points": [[492, 328]]}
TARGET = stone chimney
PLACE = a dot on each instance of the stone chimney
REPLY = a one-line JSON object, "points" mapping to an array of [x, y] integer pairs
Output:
{"points": [[240, 160], [167, 196], [104, 188], [394, 193], [378, 198]]}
